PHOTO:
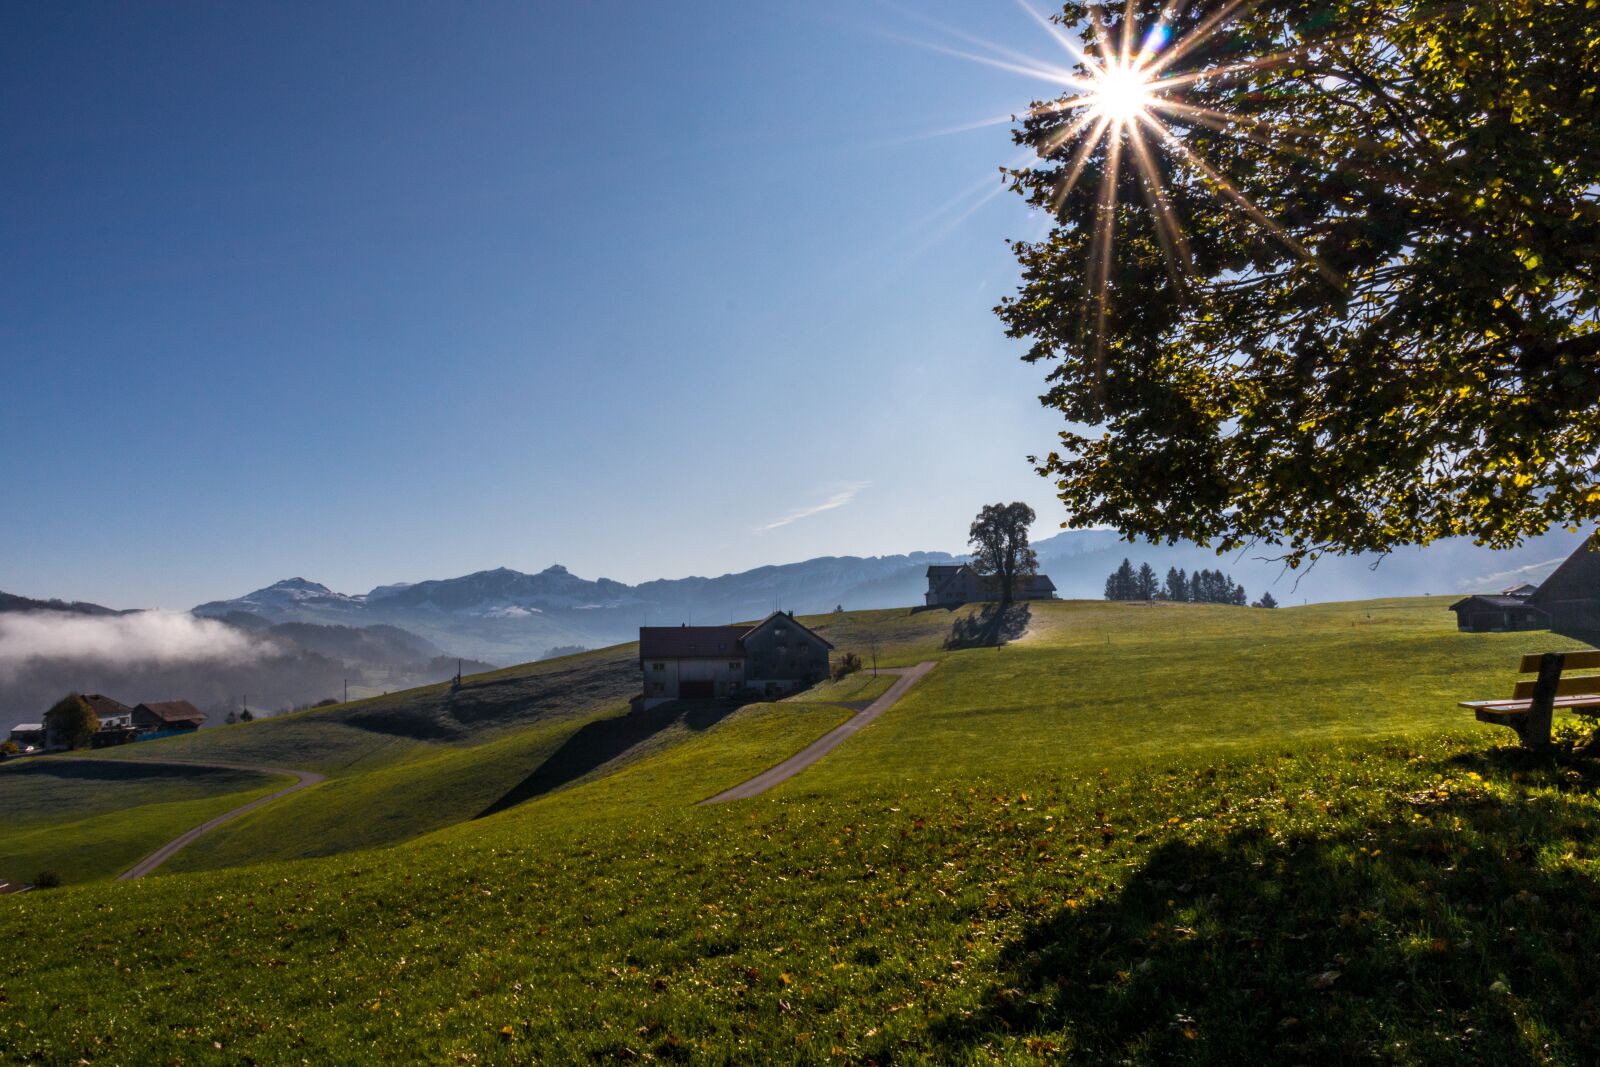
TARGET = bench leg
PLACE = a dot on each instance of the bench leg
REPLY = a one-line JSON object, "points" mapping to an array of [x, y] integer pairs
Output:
{"points": [[1535, 729]]}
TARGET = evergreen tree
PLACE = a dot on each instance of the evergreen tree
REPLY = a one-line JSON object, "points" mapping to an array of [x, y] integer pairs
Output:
{"points": [[1177, 585], [1144, 587], [1123, 583]]}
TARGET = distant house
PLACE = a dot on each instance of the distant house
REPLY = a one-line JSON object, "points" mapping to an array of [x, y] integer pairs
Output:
{"points": [[28, 734], [961, 584], [1525, 590], [777, 655], [116, 721], [1498, 614], [167, 717], [113, 714]]}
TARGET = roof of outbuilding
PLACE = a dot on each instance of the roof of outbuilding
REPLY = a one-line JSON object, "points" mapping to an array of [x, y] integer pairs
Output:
{"points": [[174, 711], [1491, 600]]}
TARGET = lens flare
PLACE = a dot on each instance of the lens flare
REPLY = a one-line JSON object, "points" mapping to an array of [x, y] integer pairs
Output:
{"points": [[1121, 93]]}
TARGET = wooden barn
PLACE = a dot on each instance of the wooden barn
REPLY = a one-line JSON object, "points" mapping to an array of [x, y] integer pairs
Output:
{"points": [[167, 717], [1501, 613], [1570, 598]]}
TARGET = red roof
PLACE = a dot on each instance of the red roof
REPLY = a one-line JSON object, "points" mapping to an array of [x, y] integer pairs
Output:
{"points": [[173, 711]]}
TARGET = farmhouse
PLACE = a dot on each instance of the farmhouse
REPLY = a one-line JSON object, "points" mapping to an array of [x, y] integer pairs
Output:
{"points": [[116, 721], [167, 717], [961, 584], [777, 655], [113, 714]]}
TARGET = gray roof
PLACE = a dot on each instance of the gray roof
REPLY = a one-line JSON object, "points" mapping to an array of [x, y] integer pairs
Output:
{"points": [[1492, 600]]}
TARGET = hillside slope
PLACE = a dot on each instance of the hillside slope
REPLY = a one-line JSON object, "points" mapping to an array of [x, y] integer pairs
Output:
{"points": [[1147, 835]]}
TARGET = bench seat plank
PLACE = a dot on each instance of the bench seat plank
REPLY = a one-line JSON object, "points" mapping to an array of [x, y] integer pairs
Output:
{"points": [[1520, 707]]}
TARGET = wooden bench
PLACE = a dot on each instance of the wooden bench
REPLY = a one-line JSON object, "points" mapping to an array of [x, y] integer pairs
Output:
{"points": [[1533, 703]]}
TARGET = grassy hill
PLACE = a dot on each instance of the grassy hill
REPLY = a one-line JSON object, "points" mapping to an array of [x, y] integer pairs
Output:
{"points": [[1135, 834]]}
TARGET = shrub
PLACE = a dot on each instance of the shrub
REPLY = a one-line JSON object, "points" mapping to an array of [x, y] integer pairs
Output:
{"points": [[47, 880], [848, 663], [10, 748]]}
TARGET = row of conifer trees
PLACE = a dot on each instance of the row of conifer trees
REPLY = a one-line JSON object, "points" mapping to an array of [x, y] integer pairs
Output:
{"points": [[1201, 587]]}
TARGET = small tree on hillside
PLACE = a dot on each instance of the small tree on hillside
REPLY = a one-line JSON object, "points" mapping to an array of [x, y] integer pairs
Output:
{"points": [[71, 722], [246, 716], [1267, 601], [999, 539]]}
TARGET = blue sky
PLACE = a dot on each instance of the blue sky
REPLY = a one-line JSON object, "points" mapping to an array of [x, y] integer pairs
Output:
{"points": [[383, 292]]}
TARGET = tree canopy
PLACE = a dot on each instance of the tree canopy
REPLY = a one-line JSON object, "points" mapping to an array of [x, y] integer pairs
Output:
{"points": [[999, 539], [71, 721], [1351, 301]]}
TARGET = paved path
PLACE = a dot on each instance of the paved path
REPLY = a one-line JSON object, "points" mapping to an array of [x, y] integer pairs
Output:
{"points": [[909, 676], [303, 780]]}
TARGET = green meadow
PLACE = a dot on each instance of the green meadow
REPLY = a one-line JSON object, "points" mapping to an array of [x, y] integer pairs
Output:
{"points": [[1139, 834], [89, 819]]}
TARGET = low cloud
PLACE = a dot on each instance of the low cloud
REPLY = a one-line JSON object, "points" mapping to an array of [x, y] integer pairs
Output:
{"points": [[837, 500], [146, 638]]}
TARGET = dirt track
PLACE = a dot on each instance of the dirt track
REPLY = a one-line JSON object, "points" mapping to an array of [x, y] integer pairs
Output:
{"points": [[909, 676]]}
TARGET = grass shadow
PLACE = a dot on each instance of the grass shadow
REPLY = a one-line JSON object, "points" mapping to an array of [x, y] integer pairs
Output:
{"points": [[1446, 925], [990, 627], [597, 743]]}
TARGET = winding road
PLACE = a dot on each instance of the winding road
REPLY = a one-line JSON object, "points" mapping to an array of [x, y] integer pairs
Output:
{"points": [[303, 780], [909, 676]]}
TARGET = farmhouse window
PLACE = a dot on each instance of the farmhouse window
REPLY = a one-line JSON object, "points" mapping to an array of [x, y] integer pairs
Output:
{"points": [[660, 666], [733, 666]]}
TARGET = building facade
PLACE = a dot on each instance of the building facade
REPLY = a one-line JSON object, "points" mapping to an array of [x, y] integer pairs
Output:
{"points": [[775, 656]]}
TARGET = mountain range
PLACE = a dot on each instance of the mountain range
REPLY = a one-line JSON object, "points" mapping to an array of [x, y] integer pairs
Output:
{"points": [[508, 616]]}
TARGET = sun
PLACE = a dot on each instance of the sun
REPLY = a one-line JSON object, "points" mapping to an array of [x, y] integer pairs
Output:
{"points": [[1121, 92]]}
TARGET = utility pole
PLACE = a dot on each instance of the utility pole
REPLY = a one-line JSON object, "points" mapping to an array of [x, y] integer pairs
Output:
{"points": [[347, 690]]}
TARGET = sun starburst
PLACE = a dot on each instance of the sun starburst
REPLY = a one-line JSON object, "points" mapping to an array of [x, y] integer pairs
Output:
{"points": [[1121, 107], [1121, 92]]}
